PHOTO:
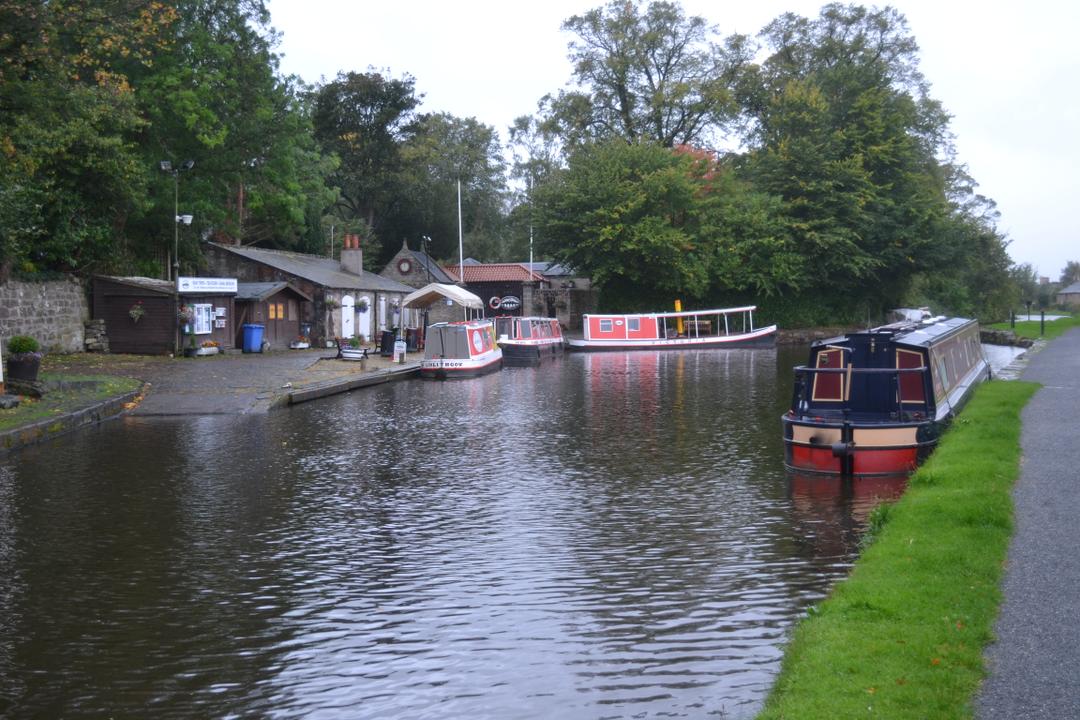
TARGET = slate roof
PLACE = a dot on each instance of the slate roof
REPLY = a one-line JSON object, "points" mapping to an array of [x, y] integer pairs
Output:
{"points": [[260, 291], [429, 265], [319, 270], [166, 287], [494, 272], [1072, 289]]}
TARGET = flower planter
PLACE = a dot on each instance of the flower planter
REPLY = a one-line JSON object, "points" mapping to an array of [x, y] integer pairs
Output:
{"points": [[206, 351], [348, 353], [23, 368], [299, 345]]}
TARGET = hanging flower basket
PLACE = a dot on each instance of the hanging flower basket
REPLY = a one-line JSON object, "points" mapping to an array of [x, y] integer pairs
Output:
{"points": [[136, 311], [362, 305], [185, 315]]}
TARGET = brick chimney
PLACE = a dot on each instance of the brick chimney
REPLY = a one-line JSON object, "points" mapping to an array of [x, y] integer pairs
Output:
{"points": [[352, 257]]}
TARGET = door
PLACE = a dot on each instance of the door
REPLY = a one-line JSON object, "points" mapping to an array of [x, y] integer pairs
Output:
{"points": [[363, 316], [348, 316]]}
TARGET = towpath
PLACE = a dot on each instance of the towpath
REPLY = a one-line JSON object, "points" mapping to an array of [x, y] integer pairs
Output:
{"points": [[1034, 665]]}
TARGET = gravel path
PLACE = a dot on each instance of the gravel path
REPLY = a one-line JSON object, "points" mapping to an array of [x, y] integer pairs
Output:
{"points": [[1035, 664]]}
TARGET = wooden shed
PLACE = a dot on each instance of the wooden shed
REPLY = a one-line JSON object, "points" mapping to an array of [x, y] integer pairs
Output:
{"points": [[283, 310], [142, 314]]}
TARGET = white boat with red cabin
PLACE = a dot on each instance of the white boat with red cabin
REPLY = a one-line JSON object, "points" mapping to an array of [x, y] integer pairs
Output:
{"points": [[528, 340], [876, 401], [462, 349], [681, 330]]}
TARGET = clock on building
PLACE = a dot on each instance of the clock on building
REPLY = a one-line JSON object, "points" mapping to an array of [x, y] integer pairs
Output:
{"points": [[404, 266]]}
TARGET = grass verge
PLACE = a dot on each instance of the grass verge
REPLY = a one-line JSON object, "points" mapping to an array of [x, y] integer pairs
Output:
{"points": [[903, 636], [83, 391], [1033, 328]]}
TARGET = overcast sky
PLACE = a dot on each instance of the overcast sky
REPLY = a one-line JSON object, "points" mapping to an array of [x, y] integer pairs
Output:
{"points": [[1009, 74]]}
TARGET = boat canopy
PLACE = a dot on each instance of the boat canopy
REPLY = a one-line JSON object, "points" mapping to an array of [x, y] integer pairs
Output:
{"points": [[429, 294]]}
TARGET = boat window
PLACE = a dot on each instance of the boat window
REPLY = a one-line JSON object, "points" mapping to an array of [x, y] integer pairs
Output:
{"points": [[633, 324], [526, 329], [504, 326], [829, 387], [911, 383], [606, 326]]}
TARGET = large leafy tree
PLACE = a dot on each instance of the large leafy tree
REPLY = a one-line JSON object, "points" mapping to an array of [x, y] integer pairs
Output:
{"points": [[70, 170], [843, 130], [648, 72], [363, 118], [441, 151], [649, 224]]}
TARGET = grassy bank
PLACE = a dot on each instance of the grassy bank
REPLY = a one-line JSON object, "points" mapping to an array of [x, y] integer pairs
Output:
{"points": [[74, 392], [1033, 328], [903, 636]]}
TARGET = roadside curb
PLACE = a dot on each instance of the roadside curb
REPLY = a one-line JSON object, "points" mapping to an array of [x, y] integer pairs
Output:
{"points": [[54, 427]]}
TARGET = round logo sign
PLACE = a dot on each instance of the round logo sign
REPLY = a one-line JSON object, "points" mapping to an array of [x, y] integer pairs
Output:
{"points": [[510, 302], [477, 341], [495, 302]]}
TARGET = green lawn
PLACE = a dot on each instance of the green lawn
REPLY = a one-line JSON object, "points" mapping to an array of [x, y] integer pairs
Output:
{"points": [[903, 636], [1033, 328], [56, 403]]}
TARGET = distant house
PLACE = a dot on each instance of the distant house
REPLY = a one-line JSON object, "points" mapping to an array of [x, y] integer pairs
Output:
{"points": [[345, 300], [418, 269], [275, 306], [505, 288], [1069, 296]]}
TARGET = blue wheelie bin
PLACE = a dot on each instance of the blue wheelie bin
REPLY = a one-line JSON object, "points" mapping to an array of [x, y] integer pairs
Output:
{"points": [[253, 335]]}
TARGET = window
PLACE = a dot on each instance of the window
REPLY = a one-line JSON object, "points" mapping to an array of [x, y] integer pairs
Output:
{"points": [[277, 311], [633, 324], [605, 326], [203, 319]]}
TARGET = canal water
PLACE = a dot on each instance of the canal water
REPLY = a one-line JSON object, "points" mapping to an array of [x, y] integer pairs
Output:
{"points": [[608, 536]]}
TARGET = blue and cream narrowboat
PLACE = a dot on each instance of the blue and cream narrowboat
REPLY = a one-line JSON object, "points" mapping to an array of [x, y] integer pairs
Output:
{"points": [[876, 401]]}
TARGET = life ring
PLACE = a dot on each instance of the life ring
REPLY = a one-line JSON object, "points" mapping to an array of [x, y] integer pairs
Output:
{"points": [[494, 302]]}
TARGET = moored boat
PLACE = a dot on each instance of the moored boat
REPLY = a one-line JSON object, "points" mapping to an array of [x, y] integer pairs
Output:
{"points": [[876, 401], [528, 340], [460, 350], [718, 328]]}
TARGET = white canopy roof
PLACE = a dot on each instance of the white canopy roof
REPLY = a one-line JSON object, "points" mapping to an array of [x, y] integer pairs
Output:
{"points": [[429, 294]]}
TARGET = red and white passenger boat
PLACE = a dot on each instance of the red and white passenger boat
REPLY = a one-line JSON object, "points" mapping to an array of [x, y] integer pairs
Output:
{"points": [[875, 402], [720, 328], [528, 340], [460, 350]]}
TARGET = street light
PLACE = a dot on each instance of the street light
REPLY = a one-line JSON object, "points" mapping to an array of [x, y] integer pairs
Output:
{"points": [[167, 167]]}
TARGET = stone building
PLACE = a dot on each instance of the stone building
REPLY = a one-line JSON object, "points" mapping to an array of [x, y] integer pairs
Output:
{"points": [[346, 300]]}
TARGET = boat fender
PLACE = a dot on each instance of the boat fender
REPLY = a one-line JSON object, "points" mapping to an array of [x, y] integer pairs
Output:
{"points": [[842, 449]]}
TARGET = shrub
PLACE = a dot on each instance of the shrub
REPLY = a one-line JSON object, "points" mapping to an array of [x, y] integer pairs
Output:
{"points": [[22, 345]]}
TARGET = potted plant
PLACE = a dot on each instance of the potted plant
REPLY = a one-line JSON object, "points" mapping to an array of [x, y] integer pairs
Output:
{"points": [[352, 349], [300, 343], [208, 347], [23, 359]]}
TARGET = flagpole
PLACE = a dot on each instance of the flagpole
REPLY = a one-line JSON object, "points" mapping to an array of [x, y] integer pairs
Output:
{"points": [[461, 246]]}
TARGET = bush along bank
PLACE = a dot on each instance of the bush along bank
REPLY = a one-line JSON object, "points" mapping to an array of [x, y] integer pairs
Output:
{"points": [[903, 635]]}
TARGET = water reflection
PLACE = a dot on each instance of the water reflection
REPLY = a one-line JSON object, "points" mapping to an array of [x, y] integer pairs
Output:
{"points": [[610, 535]]}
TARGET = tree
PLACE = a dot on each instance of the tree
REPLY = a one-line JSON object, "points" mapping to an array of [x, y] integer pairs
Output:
{"points": [[648, 72], [1070, 273], [363, 118], [69, 165], [842, 129]]}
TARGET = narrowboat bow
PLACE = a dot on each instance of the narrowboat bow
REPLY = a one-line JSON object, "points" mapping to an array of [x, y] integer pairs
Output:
{"points": [[875, 402]]}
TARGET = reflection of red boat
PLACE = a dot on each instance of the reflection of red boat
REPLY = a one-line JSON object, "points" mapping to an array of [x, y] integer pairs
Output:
{"points": [[528, 340], [460, 350], [875, 402], [721, 328]]}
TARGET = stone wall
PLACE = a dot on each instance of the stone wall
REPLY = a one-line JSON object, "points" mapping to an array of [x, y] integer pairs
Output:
{"points": [[52, 312]]}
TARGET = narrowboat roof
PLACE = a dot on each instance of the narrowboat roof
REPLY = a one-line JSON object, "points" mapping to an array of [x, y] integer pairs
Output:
{"points": [[923, 334], [683, 313]]}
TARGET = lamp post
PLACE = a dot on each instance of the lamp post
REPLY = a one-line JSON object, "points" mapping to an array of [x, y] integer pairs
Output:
{"points": [[167, 167]]}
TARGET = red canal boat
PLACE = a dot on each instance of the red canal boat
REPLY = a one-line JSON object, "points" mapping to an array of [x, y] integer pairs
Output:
{"points": [[689, 330], [875, 402]]}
